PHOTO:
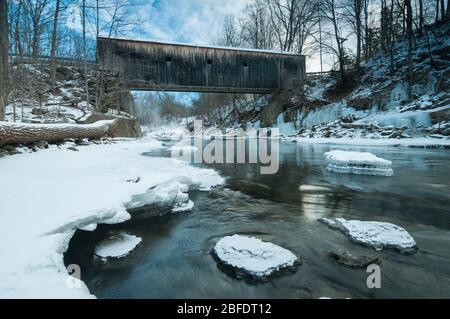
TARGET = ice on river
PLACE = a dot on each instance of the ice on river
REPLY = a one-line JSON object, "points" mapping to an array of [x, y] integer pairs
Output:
{"points": [[117, 245], [252, 256], [378, 235], [363, 163]]}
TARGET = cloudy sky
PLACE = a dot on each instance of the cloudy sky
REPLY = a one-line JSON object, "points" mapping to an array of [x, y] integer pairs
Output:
{"points": [[185, 21], [191, 21]]}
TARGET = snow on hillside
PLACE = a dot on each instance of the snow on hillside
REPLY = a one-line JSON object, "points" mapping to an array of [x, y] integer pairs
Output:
{"points": [[46, 196], [375, 106]]}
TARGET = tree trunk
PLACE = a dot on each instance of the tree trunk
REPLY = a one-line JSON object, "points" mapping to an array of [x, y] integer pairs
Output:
{"points": [[366, 31], [420, 15], [437, 12], [85, 56], [392, 39], [13, 133], [53, 50], [18, 43], [340, 49], [442, 10], [4, 61], [358, 4], [448, 10], [409, 24]]}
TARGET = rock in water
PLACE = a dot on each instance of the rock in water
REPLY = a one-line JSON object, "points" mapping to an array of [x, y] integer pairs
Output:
{"points": [[358, 163], [378, 235], [118, 244], [350, 260], [250, 257]]}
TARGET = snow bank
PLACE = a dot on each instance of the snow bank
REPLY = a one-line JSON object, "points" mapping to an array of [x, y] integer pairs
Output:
{"points": [[378, 235], [252, 256], [46, 196], [117, 245], [363, 163], [414, 142]]}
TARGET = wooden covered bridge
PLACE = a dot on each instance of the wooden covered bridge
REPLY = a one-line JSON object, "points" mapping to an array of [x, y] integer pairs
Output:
{"points": [[155, 66]]}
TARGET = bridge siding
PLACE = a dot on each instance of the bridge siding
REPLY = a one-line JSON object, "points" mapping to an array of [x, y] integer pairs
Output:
{"points": [[182, 67]]}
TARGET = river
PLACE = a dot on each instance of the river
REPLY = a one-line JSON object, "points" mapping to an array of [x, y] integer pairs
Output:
{"points": [[174, 259]]}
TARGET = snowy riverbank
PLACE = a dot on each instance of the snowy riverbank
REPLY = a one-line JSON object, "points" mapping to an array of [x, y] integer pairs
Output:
{"points": [[408, 142], [46, 196]]}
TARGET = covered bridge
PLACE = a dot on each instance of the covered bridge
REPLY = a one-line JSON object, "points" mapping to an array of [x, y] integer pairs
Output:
{"points": [[155, 66]]}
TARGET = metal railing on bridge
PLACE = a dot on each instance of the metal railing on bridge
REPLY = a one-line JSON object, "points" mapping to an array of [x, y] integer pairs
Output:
{"points": [[319, 75]]}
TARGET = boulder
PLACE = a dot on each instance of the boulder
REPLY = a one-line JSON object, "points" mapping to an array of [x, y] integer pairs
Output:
{"points": [[350, 260], [124, 127]]}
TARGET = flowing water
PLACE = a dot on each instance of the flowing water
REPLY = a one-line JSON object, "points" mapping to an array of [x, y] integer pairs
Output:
{"points": [[174, 259]]}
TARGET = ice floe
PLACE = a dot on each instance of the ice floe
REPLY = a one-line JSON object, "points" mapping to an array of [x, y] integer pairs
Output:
{"points": [[312, 188], [378, 235], [363, 163], [252, 257], [117, 245]]}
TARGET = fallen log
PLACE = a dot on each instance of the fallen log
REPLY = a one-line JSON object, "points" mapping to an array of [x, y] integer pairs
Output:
{"points": [[22, 133]]}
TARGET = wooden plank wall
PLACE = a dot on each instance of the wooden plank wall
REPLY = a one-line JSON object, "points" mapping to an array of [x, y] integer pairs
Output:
{"points": [[152, 65]]}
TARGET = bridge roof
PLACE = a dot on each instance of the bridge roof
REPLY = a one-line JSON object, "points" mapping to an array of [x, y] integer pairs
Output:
{"points": [[275, 52]]}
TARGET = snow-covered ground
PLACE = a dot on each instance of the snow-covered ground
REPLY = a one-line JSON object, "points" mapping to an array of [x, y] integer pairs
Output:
{"points": [[46, 196]]}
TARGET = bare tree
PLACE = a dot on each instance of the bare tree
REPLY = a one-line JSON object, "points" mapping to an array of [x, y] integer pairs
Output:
{"points": [[409, 23], [53, 49], [330, 13], [4, 61], [353, 13], [38, 12], [448, 10], [257, 28], [437, 12], [421, 18], [284, 16], [231, 34]]}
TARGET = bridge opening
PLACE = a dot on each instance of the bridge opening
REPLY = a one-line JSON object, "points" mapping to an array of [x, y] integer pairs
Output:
{"points": [[154, 108]]}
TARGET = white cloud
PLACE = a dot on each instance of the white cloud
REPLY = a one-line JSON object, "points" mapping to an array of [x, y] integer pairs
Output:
{"points": [[193, 21]]}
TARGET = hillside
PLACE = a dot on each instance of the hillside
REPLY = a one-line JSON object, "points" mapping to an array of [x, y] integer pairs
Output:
{"points": [[373, 103]]}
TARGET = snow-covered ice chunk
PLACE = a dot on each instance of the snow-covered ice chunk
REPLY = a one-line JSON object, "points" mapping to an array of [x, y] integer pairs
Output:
{"points": [[312, 188], [252, 257], [183, 207], [117, 245], [172, 193], [378, 235], [363, 163]]}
